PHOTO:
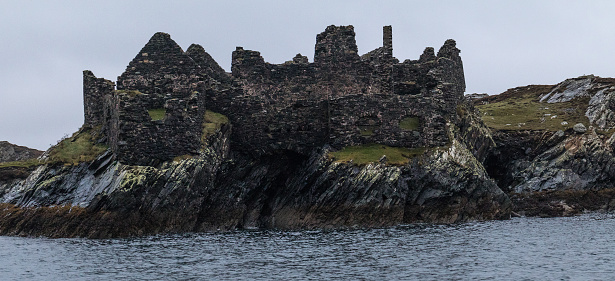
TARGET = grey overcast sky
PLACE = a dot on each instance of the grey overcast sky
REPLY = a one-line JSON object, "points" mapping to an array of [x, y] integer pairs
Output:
{"points": [[45, 45]]}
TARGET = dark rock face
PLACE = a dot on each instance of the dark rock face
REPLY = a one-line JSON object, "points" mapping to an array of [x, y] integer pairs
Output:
{"points": [[517, 148], [269, 166], [578, 162], [279, 193]]}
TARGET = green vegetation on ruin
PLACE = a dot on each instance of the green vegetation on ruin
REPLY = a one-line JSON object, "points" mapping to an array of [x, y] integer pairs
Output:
{"points": [[157, 113], [364, 154], [212, 122], [80, 147], [409, 123], [521, 109]]}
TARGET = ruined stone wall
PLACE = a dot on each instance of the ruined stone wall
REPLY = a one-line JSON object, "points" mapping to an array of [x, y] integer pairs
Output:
{"points": [[111, 115], [341, 98], [161, 68], [139, 139], [449, 73], [361, 119], [161, 78], [298, 127], [94, 92], [207, 66]]}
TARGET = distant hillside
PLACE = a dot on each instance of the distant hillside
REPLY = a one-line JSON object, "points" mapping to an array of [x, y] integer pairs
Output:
{"points": [[11, 152]]}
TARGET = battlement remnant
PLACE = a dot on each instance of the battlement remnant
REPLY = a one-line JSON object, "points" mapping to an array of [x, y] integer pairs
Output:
{"points": [[336, 44]]}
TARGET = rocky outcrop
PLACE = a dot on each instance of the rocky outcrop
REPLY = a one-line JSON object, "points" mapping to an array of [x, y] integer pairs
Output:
{"points": [[578, 162], [549, 172], [11, 152]]}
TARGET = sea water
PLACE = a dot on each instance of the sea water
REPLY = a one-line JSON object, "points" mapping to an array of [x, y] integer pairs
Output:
{"points": [[571, 248]]}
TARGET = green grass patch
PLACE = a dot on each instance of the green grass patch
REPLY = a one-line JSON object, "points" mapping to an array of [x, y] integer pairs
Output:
{"points": [[157, 113], [21, 164], [368, 153], [78, 148], [409, 123], [212, 123], [520, 109]]}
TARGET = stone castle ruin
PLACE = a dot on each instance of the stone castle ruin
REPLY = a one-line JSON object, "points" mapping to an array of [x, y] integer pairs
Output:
{"points": [[341, 99]]}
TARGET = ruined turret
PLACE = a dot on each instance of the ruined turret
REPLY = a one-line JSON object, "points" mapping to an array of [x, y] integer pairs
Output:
{"points": [[249, 64]]}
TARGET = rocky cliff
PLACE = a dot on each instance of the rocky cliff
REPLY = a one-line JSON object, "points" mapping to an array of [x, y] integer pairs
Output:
{"points": [[222, 190], [344, 141], [554, 152]]}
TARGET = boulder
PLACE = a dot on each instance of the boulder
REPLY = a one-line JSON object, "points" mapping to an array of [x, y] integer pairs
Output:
{"points": [[579, 128]]}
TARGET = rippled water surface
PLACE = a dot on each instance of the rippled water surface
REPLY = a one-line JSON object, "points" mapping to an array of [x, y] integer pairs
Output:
{"points": [[576, 248]]}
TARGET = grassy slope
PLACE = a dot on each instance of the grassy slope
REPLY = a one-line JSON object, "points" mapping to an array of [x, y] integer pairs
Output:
{"points": [[520, 109], [78, 148]]}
